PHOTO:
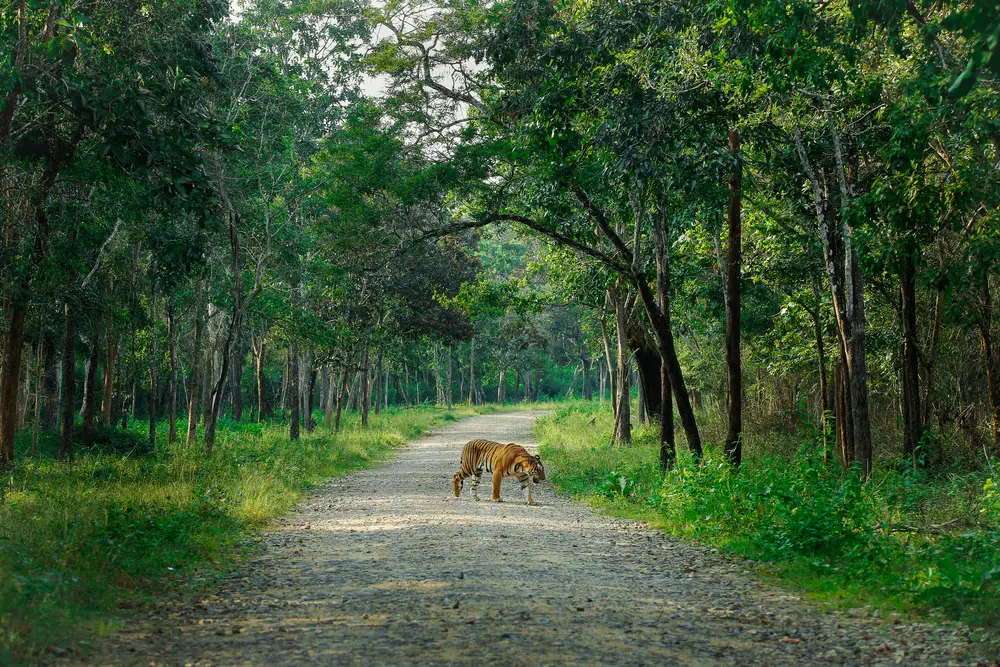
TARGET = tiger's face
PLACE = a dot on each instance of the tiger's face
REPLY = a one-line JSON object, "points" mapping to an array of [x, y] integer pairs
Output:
{"points": [[536, 469]]}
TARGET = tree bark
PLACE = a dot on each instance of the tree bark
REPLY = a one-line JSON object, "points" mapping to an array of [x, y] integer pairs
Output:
{"points": [[310, 397], [845, 429], [472, 372], [365, 392], [816, 313], [324, 397], [293, 392], [668, 447], [172, 345], [341, 395], [37, 423], [152, 366], [588, 382], [848, 305], [378, 382], [110, 363], [90, 385], [612, 375], [734, 441], [68, 385], [196, 361], [328, 379], [448, 378], [912, 425], [623, 423], [262, 409], [925, 418]]}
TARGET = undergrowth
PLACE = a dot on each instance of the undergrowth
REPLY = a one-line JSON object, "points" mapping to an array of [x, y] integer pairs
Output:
{"points": [[127, 521], [915, 540]]}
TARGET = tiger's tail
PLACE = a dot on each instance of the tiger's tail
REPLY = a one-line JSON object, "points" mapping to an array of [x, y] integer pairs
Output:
{"points": [[457, 483]]}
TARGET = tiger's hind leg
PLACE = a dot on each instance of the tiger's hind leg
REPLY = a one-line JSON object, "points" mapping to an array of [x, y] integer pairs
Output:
{"points": [[476, 476], [457, 482]]}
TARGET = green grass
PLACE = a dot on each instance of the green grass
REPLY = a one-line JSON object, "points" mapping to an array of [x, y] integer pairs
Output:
{"points": [[806, 522], [126, 522]]}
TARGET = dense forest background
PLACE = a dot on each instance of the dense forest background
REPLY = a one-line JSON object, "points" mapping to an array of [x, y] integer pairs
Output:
{"points": [[735, 221]]}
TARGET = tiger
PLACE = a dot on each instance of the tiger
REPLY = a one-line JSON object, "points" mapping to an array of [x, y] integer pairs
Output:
{"points": [[508, 460]]}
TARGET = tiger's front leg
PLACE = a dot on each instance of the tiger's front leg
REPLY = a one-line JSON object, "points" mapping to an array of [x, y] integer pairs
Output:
{"points": [[476, 476], [497, 479], [526, 487]]}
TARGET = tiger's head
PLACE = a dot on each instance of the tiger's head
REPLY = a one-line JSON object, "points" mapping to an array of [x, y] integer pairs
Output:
{"points": [[533, 466]]}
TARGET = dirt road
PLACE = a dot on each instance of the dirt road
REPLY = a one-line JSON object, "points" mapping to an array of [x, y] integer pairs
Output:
{"points": [[383, 567]]}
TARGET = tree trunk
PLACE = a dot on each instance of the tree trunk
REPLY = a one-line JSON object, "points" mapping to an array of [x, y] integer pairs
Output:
{"points": [[859, 371], [378, 382], [472, 372], [365, 392], [925, 419], [152, 366], [286, 373], [68, 385], [848, 305], [612, 378], [341, 395], [324, 396], [330, 390], [293, 392], [37, 423], [734, 441], [588, 382], [912, 426], [845, 429], [262, 410], [448, 378], [172, 345], [816, 313], [310, 396], [90, 385], [623, 423], [110, 361], [502, 387], [196, 361], [572, 382]]}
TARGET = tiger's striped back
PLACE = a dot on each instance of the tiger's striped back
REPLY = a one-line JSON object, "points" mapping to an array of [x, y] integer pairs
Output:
{"points": [[486, 455]]}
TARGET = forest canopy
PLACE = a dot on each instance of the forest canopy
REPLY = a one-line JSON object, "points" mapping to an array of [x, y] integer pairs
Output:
{"points": [[765, 207]]}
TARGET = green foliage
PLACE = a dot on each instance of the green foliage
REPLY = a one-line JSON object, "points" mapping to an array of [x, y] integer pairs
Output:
{"points": [[908, 539], [78, 541]]}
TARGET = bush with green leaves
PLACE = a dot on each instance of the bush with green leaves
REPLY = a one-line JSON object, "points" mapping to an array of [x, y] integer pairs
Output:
{"points": [[912, 538]]}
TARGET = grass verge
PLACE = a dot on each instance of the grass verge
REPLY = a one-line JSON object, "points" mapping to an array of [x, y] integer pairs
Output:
{"points": [[127, 521], [916, 541]]}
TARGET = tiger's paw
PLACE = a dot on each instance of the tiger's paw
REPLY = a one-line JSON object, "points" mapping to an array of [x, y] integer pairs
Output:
{"points": [[532, 503], [497, 500]]}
